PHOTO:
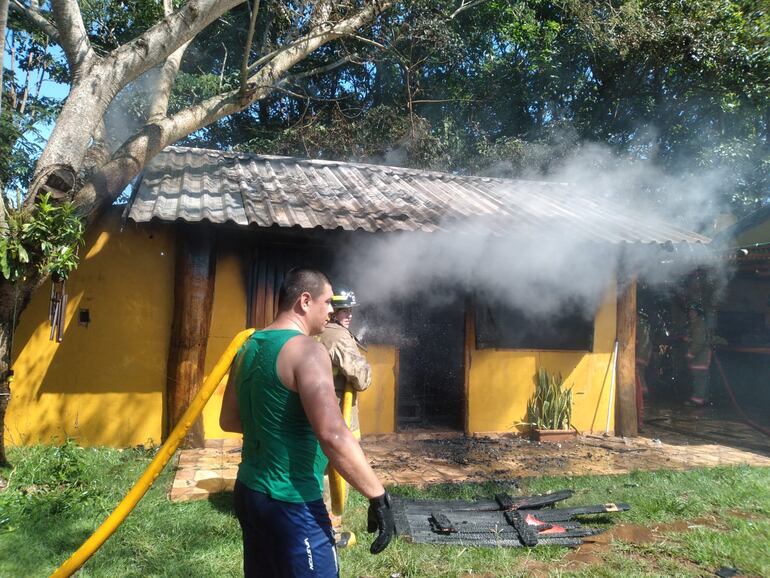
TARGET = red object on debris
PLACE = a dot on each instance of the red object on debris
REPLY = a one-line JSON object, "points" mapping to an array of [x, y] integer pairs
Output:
{"points": [[547, 529]]}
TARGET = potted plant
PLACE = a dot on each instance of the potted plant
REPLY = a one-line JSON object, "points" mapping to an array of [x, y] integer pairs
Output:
{"points": [[549, 410]]}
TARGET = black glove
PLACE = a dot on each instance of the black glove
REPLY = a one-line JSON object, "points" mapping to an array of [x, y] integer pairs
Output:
{"points": [[381, 518]]}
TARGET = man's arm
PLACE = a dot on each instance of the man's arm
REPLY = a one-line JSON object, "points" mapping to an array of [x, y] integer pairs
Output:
{"points": [[229, 416], [315, 386]]}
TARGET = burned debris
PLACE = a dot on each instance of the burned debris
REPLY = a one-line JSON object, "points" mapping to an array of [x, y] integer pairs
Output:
{"points": [[505, 521]]}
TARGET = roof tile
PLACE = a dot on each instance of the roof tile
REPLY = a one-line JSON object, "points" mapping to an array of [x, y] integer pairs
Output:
{"points": [[199, 184]]}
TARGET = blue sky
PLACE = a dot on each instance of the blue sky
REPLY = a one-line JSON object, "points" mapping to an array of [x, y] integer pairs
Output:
{"points": [[49, 88]]}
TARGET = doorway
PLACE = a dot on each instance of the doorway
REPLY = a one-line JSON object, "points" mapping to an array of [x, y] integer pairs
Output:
{"points": [[431, 380]]}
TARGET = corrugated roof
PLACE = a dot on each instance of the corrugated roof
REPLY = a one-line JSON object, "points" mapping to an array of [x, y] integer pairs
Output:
{"points": [[193, 184]]}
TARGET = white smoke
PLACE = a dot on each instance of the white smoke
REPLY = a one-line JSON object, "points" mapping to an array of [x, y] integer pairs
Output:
{"points": [[540, 272]]}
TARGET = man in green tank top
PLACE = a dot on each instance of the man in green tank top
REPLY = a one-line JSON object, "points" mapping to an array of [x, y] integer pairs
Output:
{"points": [[280, 395]]}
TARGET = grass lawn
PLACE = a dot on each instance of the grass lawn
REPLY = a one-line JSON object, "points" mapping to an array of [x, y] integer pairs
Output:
{"points": [[57, 496]]}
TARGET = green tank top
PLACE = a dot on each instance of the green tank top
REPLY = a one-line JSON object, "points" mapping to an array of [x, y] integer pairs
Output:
{"points": [[281, 455]]}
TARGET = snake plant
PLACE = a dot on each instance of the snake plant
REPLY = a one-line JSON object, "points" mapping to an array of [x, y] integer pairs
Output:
{"points": [[550, 407]]}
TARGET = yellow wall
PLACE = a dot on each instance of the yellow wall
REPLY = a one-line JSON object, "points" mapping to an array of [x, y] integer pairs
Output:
{"points": [[228, 317], [755, 236], [377, 405], [105, 383], [501, 381]]}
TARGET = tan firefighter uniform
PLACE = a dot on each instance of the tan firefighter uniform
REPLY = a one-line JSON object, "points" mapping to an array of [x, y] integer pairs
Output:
{"points": [[699, 358], [349, 366]]}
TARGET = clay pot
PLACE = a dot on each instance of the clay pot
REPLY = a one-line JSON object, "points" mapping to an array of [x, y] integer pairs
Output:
{"points": [[554, 435]]}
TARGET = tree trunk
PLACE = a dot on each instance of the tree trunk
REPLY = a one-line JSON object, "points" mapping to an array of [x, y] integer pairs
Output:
{"points": [[9, 319], [626, 424], [59, 167], [97, 80], [6, 331], [193, 299]]}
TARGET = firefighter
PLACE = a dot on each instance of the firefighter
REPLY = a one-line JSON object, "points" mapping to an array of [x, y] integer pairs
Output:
{"points": [[349, 365], [351, 370], [698, 356], [643, 355]]}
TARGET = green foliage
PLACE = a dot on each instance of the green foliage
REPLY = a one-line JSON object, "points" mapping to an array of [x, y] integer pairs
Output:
{"points": [[49, 481], [45, 236], [506, 87], [550, 407], [25, 107], [385, 134]]}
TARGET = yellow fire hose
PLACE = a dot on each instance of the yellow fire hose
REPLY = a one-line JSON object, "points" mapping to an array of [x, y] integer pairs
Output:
{"points": [[338, 488], [164, 454]]}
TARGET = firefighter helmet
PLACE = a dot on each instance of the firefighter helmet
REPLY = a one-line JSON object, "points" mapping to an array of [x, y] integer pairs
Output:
{"points": [[695, 306], [344, 299]]}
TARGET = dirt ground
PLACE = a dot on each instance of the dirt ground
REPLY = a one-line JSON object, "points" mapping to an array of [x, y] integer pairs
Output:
{"points": [[426, 458], [672, 440]]}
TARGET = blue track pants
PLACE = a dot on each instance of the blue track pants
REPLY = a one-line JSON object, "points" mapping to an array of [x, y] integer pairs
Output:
{"points": [[283, 539]]}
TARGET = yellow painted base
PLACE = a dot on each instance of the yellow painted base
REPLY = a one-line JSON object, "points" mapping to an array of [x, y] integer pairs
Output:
{"points": [[501, 381], [105, 383], [377, 405]]}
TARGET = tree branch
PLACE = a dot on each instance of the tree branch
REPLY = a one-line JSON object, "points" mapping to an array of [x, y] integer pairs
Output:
{"points": [[441, 100], [3, 24], [72, 33], [268, 78], [134, 154], [222, 71], [156, 44], [166, 76], [465, 6], [36, 18], [310, 36], [247, 49], [322, 12], [367, 41], [99, 151], [321, 69], [269, 56], [91, 94]]}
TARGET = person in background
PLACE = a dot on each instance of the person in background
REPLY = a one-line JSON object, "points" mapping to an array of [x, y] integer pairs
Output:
{"points": [[643, 355], [280, 395], [698, 355], [350, 369], [349, 365]]}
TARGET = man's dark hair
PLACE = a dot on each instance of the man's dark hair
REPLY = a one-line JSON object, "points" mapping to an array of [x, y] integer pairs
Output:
{"points": [[298, 281]]}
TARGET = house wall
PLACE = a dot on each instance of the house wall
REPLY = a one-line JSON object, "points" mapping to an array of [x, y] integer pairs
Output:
{"points": [[501, 381], [377, 405], [228, 317], [105, 383], [759, 235]]}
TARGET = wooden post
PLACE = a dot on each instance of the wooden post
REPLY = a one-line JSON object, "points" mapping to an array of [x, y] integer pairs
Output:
{"points": [[193, 299], [625, 415], [470, 347]]}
